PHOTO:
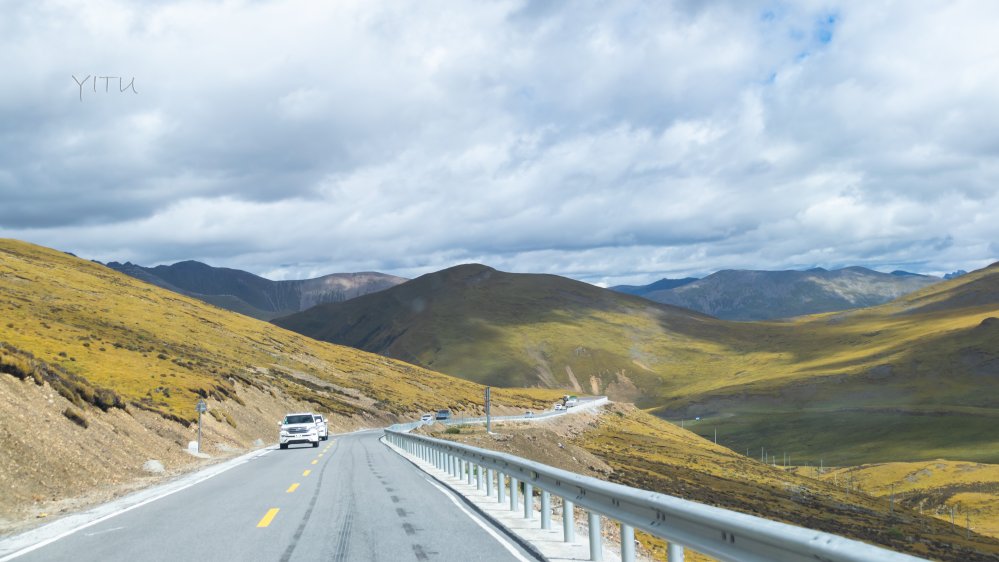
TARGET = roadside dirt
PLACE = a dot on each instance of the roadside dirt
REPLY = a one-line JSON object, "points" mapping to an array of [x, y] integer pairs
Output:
{"points": [[51, 466]]}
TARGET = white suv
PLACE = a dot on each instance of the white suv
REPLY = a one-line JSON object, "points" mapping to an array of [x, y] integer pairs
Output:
{"points": [[324, 432], [299, 428]]}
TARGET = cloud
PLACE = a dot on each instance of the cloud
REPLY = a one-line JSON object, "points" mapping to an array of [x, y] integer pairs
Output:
{"points": [[610, 142]]}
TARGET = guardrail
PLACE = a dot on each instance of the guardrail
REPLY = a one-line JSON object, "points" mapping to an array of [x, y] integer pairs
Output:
{"points": [[717, 532]]}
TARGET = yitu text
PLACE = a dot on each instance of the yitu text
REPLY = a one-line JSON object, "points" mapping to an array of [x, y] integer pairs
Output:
{"points": [[108, 80]]}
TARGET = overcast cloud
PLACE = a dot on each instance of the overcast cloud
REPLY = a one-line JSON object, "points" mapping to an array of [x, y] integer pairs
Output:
{"points": [[607, 141]]}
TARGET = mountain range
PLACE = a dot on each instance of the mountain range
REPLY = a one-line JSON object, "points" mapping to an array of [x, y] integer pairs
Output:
{"points": [[767, 295], [917, 368], [252, 295]]}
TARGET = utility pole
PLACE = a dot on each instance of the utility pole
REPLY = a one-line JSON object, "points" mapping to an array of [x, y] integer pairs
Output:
{"points": [[891, 504], [489, 419], [201, 407], [716, 436]]}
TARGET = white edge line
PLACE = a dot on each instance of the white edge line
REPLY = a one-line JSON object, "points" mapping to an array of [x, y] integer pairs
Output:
{"points": [[212, 472], [103, 518], [478, 521], [504, 542]]}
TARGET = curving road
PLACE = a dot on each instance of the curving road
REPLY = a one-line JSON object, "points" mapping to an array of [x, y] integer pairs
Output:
{"points": [[352, 499]]}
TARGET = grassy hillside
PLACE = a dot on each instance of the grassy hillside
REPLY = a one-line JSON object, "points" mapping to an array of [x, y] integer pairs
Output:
{"points": [[962, 492], [633, 448], [160, 351], [506, 329], [907, 380], [113, 367]]}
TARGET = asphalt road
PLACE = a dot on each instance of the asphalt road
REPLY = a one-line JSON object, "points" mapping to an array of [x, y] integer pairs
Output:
{"points": [[352, 499]]}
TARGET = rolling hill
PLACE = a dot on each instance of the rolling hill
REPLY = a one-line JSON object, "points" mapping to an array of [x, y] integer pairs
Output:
{"points": [[768, 295], [503, 329], [252, 295], [106, 370], [907, 380]]}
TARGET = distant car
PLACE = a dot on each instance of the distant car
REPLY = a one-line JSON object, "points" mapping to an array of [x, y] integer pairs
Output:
{"points": [[427, 418], [559, 407], [324, 432], [443, 415], [528, 414], [299, 428]]}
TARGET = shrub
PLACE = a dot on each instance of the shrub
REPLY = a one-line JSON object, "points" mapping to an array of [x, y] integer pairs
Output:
{"points": [[75, 417], [452, 430]]}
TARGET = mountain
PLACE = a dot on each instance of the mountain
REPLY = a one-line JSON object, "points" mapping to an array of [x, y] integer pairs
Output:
{"points": [[100, 372], [767, 295], [661, 285], [507, 329], [907, 380], [253, 295]]}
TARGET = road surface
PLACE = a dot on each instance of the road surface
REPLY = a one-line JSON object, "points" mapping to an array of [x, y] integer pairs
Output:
{"points": [[352, 499]]}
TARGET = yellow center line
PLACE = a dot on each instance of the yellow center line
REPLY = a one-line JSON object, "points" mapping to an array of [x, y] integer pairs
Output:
{"points": [[315, 461], [320, 454], [306, 473], [293, 487], [268, 517]]}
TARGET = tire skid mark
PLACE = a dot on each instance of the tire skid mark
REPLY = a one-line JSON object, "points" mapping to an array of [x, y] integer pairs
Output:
{"points": [[305, 518]]}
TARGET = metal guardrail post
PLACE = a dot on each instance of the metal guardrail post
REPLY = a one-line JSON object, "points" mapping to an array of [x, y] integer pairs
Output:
{"points": [[627, 543], [546, 510], [596, 546], [478, 477], [528, 501], [501, 487], [468, 469], [674, 552], [489, 482], [568, 521], [514, 493]]}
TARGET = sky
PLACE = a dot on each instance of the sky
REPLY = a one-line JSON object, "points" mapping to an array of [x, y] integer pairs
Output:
{"points": [[611, 142]]}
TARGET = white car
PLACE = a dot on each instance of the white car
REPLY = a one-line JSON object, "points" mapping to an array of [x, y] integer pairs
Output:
{"points": [[559, 407], [324, 432], [299, 428], [427, 418]]}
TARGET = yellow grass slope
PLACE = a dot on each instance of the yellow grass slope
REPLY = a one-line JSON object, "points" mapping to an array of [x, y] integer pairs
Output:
{"points": [[963, 492], [161, 351]]}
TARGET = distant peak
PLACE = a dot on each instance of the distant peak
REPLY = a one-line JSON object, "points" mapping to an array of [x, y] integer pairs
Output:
{"points": [[470, 267]]}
